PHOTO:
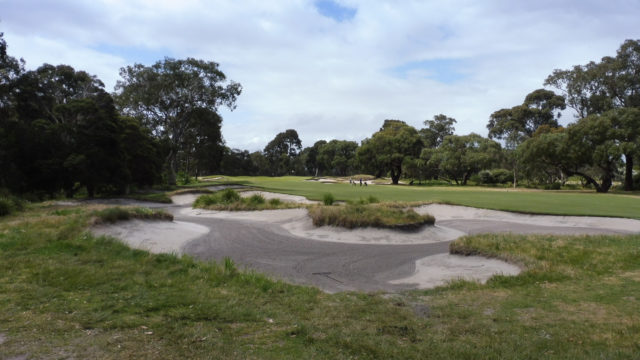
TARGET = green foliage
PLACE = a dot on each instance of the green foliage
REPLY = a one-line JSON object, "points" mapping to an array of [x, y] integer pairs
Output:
{"points": [[282, 152], [459, 157], [387, 149], [356, 215], [170, 96], [328, 199], [436, 130]]}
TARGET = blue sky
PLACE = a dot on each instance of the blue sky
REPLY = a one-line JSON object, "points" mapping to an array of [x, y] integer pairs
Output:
{"points": [[333, 69]]}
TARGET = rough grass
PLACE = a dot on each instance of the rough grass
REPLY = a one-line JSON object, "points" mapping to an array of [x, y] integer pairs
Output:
{"points": [[115, 214], [230, 200], [355, 215], [67, 294]]}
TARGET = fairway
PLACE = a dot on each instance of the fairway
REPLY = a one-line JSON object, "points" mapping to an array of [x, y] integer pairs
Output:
{"points": [[576, 203]]}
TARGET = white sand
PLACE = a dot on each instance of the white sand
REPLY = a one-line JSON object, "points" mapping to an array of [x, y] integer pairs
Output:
{"points": [[153, 236], [283, 197], [453, 212], [439, 269]]}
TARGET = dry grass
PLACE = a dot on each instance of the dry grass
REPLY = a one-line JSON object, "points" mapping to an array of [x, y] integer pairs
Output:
{"points": [[369, 215]]}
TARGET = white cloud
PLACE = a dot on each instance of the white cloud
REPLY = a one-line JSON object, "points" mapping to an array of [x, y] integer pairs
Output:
{"points": [[329, 79]]}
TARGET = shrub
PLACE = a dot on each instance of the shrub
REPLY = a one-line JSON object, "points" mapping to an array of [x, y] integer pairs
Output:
{"points": [[485, 177], [553, 186], [9, 204], [328, 199], [502, 176]]}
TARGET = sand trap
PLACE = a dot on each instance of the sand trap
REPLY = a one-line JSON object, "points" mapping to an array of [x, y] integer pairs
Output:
{"points": [[437, 270], [283, 197], [298, 223], [453, 212], [153, 236]]}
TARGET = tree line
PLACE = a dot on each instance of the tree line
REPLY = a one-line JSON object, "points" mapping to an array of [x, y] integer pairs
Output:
{"points": [[61, 132], [602, 144]]}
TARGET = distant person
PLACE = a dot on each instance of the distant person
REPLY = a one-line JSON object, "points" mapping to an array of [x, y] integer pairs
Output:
{"points": [[360, 181]]}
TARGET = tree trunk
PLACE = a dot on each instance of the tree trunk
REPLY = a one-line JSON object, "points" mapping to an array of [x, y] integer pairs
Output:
{"points": [[628, 172], [395, 175], [171, 168]]}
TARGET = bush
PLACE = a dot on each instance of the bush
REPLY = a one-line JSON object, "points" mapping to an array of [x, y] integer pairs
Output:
{"points": [[553, 186], [485, 177], [328, 199], [502, 176]]}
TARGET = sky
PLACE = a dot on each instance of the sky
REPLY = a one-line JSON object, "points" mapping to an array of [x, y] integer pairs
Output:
{"points": [[333, 69]]}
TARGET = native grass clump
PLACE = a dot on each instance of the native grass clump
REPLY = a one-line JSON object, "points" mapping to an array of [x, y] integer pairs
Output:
{"points": [[369, 213], [114, 214], [230, 200]]}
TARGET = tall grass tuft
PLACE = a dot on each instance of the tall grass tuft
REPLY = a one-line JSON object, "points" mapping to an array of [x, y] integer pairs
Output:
{"points": [[115, 214], [372, 215], [328, 199], [230, 200]]}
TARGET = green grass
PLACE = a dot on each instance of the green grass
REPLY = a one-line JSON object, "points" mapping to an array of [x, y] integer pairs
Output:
{"points": [[369, 215], [526, 201], [67, 294]]}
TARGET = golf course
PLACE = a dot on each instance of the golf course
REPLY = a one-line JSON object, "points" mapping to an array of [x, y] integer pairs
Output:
{"points": [[66, 291]]}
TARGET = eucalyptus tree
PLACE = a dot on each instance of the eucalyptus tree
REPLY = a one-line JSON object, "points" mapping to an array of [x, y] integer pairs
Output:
{"points": [[388, 148], [517, 124], [166, 95], [599, 87], [436, 130]]}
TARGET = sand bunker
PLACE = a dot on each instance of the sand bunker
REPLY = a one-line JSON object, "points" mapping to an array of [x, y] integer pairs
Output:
{"points": [[283, 197], [153, 236], [439, 269], [453, 212], [298, 223]]}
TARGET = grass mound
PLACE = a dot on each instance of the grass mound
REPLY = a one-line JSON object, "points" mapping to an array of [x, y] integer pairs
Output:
{"points": [[230, 200], [356, 215], [115, 214]]}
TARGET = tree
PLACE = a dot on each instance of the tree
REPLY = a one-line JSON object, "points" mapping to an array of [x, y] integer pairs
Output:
{"points": [[282, 151], [338, 157], [599, 87], [386, 150], [166, 95], [203, 146], [459, 157], [519, 123], [311, 163], [436, 130]]}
